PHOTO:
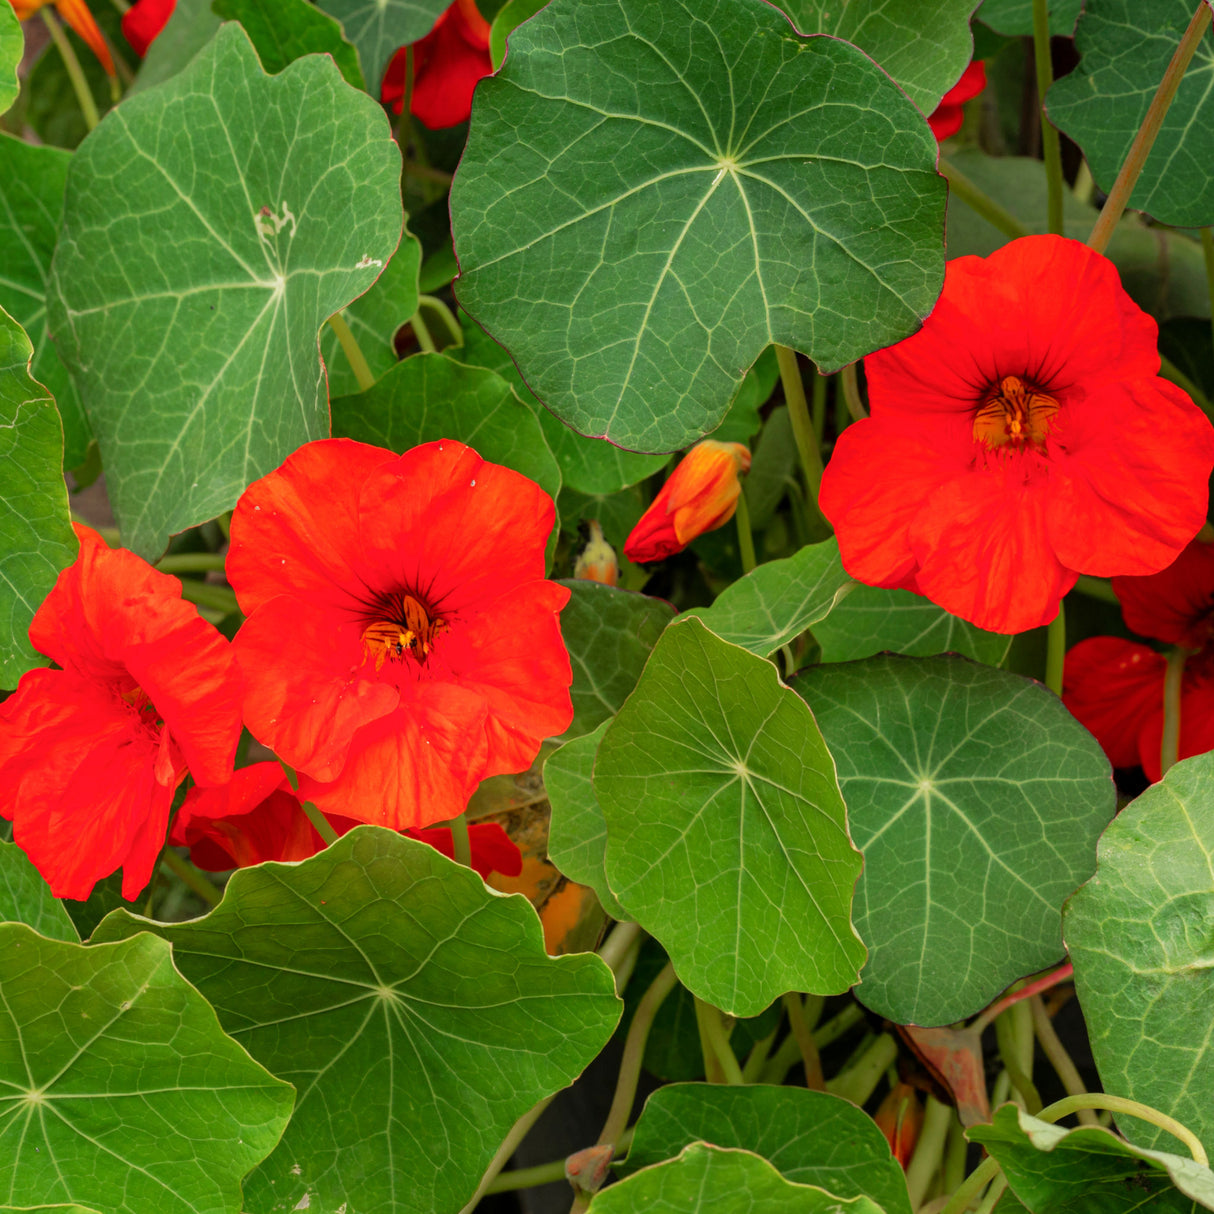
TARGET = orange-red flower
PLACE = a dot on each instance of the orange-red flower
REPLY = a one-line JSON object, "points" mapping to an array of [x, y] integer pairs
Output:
{"points": [[700, 495], [447, 63], [76, 14], [257, 817], [946, 118], [143, 21], [402, 643], [90, 755], [1020, 438]]}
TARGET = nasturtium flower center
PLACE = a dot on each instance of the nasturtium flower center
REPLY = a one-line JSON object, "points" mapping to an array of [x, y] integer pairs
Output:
{"points": [[1015, 411], [401, 626]]}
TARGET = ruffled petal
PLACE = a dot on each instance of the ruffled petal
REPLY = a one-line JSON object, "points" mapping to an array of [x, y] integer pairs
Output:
{"points": [[143, 21], [1114, 689], [450, 60], [1175, 605]]}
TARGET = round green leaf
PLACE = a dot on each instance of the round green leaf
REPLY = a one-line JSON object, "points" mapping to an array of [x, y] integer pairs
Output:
{"points": [[977, 800], [1124, 48], [190, 26], [284, 30], [653, 193], [727, 838], [1014, 18], [26, 898], [609, 634], [187, 299], [715, 1181], [1138, 934], [415, 1010], [378, 28], [117, 1087], [36, 537], [808, 1137], [12, 47]]}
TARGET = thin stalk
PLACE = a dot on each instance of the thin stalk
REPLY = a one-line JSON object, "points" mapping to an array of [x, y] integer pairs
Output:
{"points": [[1055, 650], [974, 1184], [789, 1052], [353, 351], [981, 203], [1207, 252], [929, 1150], [461, 844], [634, 1054], [716, 1043], [802, 423], [1051, 147], [849, 379], [996, 1191], [218, 598], [423, 172], [1131, 1108], [803, 1035], [860, 1080], [1060, 1060], [191, 877], [1173, 684], [818, 400], [444, 313], [1140, 149], [1044, 983], [954, 1155], [746, 539], [508, 1147], [1097, 588], [422, 333], [752, 1068], [84, 95], [527, 1178], [1014, 1034], [322, 824], [617, 947], [191, 562]]}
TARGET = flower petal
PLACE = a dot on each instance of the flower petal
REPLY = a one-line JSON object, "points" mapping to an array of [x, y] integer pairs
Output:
{"points": [[1113, 688], [1176, 604]]}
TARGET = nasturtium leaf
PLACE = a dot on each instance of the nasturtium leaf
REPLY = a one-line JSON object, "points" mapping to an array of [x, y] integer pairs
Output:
{"points": [[117, 1086], [1015, 17], [776, 602], [283, 30], [1138, 934], [12, 47], [924, 45], [1089, 1170], [977, 800], [706, 1179], [416, 1011], [772, 468], [577, 834], [1124, 49], [374, 319], [36, 537], [609, 634], [378, 28], [808, 1137], [73, 1208], [209, 229], [727, 836], [31, 205], [870, 620], [430, 396], [26, 898], [191, 25], [653, 193], [509, 17]]}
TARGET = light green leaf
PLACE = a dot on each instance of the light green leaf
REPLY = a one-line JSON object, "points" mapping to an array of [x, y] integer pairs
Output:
{"points": [[430, 396], [187, 302], [378, 28], [727, 836], [36, 537], [1139, 936], [577, 834], [31, 207], [636, 246], [773, 604], [609, 634], [189, 28], [870, 620], [509, 17], [284, 30], [1089, 1169], [117, 1087], [710, 1180], [1124, 48], [415, 1009], [1014, 18], [26, 898], [977, 800], [12, 47], [808, 1137], [925, 45]]}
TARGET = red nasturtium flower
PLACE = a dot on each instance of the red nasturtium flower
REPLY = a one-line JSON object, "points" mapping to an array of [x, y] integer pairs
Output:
{"points": [[945, 120], [143, 21], [91, 754], [1020, 438], [402, 643], [76, 14], [257, 817], [447, 63], [700, 495]]}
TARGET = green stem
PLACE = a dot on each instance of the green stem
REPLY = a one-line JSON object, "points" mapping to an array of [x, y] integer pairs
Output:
{"points": [[191, 562], [1097, 588], [860, 1080], [353, 351], [974, 1184], [444, 313], [191, 877], [954, 1155], [996, 1191], [324, 827], [1140, 149], [1131, 1108], [715, 1043], [527, 1178], [1064, 1066], [1055, 650], [746, 539], [509, 1146], [929, 1150], [461, 843], [1207, 252], [424, 338], [423, 172], [802, 423], [219, 598], [752, 1068], [634, 1054], [1014, 1034], [981, 203], [1047, 980], [789, 1052], [84, 95], [818, 391], [623, 942], [1173, 684], [1051, 147], [849, 378], [803, 1035]]}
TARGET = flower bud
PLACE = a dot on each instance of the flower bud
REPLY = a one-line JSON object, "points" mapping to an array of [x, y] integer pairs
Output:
{"points": [[597, 561]]}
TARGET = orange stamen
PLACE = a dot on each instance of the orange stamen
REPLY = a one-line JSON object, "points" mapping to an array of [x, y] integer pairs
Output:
{"points": [[413, 633], [1014, 412]]}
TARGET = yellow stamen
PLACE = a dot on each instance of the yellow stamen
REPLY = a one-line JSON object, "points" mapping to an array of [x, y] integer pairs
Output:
{"points": [[1014, 412]]}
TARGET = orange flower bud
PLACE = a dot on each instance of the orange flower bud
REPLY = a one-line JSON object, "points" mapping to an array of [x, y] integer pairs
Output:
{"points": [[899, 1118], [701, 495]]}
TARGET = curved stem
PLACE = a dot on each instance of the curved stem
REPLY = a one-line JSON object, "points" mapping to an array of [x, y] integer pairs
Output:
{"points": [[191, 562], [84, 94], [1053, 978], [461, 844], [1064, 1066], [929, 1150], [616, 949], [324, 828], [1140, 149], [799, 1027], [746, 539], [860, 1080], [508, 1147], [422, 333], [849, 378], [353, 351], [1051, 147], [444, 313], [527, 1178], [981, 203], [1014, 1034], [974, 1182], [715, 1042], [802, 423], [189, 876], [1131, 1108], [1055, 651], [1173, 684]]}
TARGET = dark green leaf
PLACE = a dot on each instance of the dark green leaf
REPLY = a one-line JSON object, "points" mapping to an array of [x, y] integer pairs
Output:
{"points": [[1015, 17], [977, 800], [187, 303], [118, 1087], [378, 28], [653, 194], [283, 30], [26, 898], [36, 537], [416, 1010], [727, 837]]}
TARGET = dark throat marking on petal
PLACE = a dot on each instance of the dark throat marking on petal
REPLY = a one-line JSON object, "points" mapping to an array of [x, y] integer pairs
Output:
{"points": [[1014, 411], [399, 625]]}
